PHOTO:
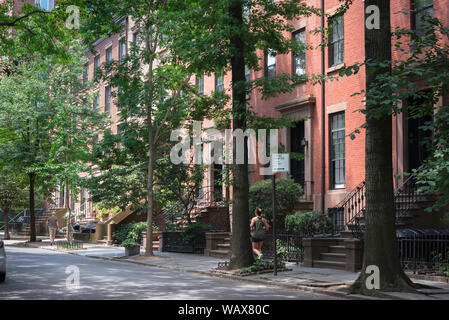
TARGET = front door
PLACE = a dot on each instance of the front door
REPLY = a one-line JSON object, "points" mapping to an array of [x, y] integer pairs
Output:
{"points": [[419, 141], [297, 145]]}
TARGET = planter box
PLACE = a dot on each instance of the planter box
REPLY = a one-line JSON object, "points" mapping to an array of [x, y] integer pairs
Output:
{"points": [[132, 251]]}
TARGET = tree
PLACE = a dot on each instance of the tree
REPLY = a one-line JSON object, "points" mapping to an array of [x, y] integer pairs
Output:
{"points": [[11, 195], [49, 122], [388, 84], [73, 126], [239, 28], [154, 94], [179, 186]]}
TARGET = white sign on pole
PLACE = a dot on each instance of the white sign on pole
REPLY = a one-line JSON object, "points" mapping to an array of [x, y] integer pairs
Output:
{"points": [[280, 162]]}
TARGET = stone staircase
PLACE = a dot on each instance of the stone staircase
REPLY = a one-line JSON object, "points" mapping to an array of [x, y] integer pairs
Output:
{"points": [[335, 257], [223, 251], [221, 245], [342, 253]]}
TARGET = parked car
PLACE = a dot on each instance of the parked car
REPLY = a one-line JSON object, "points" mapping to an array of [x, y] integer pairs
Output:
{"points": [[90, 227], [2, 261], [75, 228]]}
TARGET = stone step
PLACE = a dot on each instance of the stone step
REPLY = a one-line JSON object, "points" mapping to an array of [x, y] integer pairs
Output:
{"points": [[329, 264], [224, 245], [219, 254], [346, 234], [227, 240], [330, 256], [337, 249]]}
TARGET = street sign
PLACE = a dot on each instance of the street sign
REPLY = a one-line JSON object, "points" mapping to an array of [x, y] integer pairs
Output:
{"points": [[280, 162]]}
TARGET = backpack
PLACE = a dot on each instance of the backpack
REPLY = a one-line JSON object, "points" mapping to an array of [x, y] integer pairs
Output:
{"points": [[258, 232]]}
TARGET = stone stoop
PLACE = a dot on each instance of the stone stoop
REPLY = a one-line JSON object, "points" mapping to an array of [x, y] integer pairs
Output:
{"points": [[335, 258], [218, 245], [342, 253]]}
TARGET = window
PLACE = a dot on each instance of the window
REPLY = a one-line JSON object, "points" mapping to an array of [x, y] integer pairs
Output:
{"points": [[96, 101], [218, 187], [336, 46], [122, 50], [337, 152], [136, 38], [200, 84], [109, 54], [267, 153], [270, 64], [247, 73], [86, 74], [120, 128], [421, 9], [95, 140], [47, 5], [107, 101], [219, 81], [96, 64], [83, 200], [299, 58], [247, 78]]}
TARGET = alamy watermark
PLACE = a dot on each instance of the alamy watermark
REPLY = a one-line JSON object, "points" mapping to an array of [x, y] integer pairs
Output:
{"points": [[72, 282], [373, 280], [219, 146]]}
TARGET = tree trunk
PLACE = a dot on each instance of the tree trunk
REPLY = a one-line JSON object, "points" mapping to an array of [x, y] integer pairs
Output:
{"points": [[32, 177], [151, 150], [380, 244], [241, 251], [6, 220], [69, 212], [149, 240]]}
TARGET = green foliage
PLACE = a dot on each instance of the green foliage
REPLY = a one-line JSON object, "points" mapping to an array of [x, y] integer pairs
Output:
{"points": [[129, 243], [308, 223], [104, 211], [287, 195], [443, 265], [131, 231], [193, 231], [262, 265]]}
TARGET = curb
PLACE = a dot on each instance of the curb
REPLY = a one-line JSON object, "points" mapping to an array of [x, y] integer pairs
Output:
{"points": [[243, 279], [302, 288]]}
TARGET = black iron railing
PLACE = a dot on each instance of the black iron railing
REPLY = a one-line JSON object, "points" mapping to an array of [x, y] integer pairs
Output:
{"points": [[406, 197], [424, 251], [350, 210], [289, 247], [348, 215], [174, 242]]}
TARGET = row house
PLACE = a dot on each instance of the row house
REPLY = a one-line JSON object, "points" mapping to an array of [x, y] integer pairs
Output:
{"points": [[324, 114]]}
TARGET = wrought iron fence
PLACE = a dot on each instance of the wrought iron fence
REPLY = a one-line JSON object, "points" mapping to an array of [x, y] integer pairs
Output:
{"points": [[74, 244], [174, 242], [424, 250], [348, 212], [289, 247]]}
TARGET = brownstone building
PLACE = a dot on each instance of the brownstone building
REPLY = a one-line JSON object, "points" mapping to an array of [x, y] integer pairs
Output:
{"points": [[334, 165]]}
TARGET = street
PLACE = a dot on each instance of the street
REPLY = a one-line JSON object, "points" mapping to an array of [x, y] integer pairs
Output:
{"points": [[40, 274]]}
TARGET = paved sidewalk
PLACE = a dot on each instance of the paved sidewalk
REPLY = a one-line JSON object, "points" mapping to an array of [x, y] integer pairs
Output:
{"points": [[318, 280]]}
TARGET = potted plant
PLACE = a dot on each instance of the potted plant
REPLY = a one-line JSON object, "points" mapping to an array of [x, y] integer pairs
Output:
{"points": [[131, 247]]}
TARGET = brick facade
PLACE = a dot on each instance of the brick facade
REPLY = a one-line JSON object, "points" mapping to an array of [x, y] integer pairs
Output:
{"points": [[305, 100]]}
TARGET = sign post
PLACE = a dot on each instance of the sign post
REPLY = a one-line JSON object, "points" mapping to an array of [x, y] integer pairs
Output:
{"points": [[280, 162]]}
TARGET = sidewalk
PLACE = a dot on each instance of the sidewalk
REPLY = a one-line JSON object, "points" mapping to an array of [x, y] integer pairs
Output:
{"points": [[317, 280]]}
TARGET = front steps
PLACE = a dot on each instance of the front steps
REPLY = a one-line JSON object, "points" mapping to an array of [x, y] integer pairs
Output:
{"points": [[334, 258], [223, 251], [218, 245], [343, 253]]}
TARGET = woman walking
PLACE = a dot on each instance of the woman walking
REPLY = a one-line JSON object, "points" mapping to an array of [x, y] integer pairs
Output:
{"points": [[258, 228]]}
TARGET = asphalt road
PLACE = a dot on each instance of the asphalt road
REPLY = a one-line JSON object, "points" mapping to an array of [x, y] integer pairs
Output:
{"points": [[37, 274]]}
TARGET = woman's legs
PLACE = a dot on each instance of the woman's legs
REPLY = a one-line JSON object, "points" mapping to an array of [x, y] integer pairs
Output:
{"points": [[256, 249], [259, 246]]}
